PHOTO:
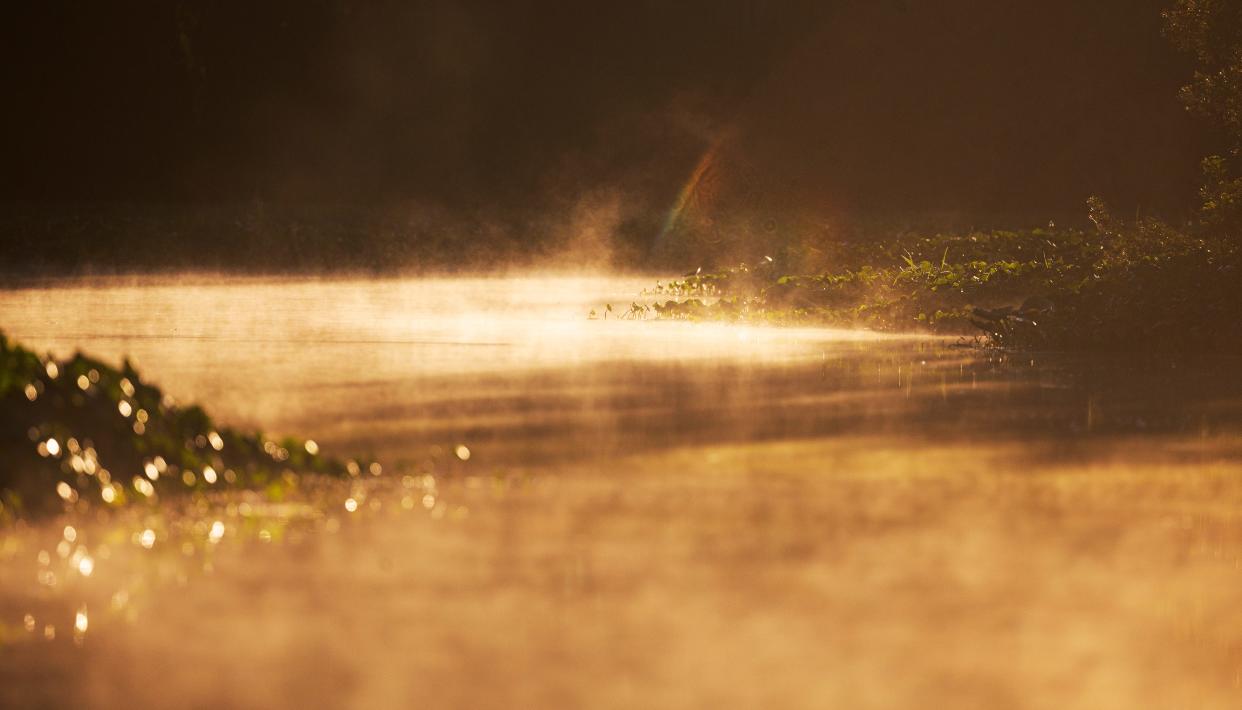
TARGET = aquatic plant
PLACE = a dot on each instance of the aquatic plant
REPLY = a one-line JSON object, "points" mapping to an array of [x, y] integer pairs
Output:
{"points": [[77, 432]]}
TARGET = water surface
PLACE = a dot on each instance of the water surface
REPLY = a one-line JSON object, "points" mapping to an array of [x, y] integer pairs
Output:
{"points": [[581, 512]]}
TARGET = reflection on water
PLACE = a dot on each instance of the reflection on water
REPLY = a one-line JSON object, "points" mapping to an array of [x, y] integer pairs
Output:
{"points": [[580, 512]]}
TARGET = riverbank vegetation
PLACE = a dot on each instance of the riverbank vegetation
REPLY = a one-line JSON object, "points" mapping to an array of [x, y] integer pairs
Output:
{"points": [[78, 433], [1140, 284]]}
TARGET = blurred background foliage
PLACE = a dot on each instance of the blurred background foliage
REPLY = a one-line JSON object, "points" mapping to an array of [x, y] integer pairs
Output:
{"points": [[314, 134]]}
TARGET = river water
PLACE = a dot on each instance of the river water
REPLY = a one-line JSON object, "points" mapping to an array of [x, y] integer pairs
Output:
{"points": [[605, 512]]}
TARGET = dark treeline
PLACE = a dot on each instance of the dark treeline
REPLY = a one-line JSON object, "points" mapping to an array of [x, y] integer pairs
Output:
{"points": [[327, 132], [346, 101]]}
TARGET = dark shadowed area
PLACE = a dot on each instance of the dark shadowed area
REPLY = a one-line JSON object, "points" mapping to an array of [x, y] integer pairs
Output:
{"points": [[188, 132]]}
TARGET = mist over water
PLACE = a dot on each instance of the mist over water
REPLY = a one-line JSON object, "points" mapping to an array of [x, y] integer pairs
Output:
{"points": [[616, 513], [282, 351], [450, 454]]}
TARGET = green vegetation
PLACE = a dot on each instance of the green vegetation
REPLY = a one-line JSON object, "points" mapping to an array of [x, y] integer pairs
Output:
{"points": [[1139, 285], [1132, 286], [77, 432], [1211, 32]]}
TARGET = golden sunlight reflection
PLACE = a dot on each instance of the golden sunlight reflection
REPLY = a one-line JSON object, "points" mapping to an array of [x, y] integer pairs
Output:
{"points": [[856, 521]]}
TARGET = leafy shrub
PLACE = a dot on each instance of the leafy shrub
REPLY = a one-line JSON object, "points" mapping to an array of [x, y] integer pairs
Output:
{"points": [[76, 430]]}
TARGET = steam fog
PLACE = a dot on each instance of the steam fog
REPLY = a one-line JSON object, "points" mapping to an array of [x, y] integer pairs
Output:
{"points": [[736, 354]]}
